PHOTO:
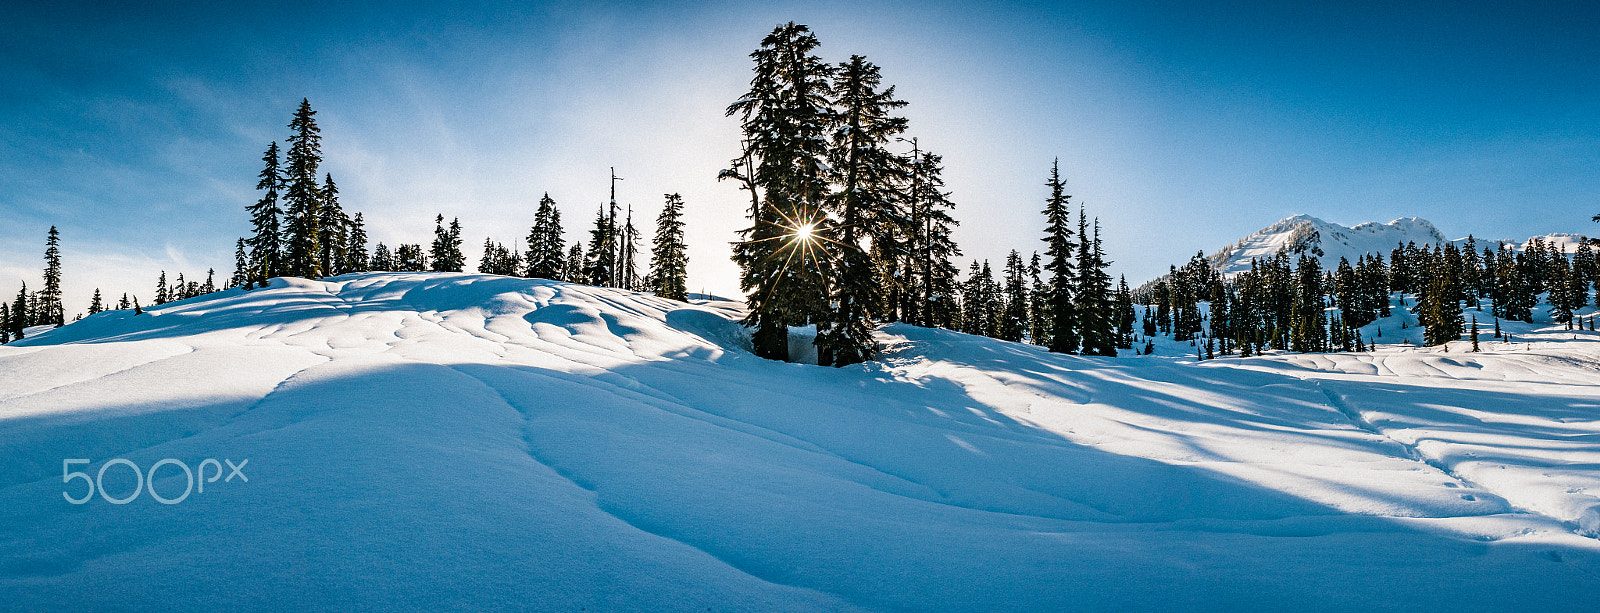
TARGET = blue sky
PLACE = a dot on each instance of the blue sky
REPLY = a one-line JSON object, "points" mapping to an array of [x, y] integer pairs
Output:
{"points": [[137, 130]]}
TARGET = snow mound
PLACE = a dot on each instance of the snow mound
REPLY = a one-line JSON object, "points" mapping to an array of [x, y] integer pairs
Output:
{"points": [[455, 441]]}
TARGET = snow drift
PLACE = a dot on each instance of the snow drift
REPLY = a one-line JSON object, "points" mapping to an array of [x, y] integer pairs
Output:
{"points": [[453, 441]]}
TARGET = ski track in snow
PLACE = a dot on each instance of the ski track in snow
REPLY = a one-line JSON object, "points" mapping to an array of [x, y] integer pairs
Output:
{"points": [[528, 444]]}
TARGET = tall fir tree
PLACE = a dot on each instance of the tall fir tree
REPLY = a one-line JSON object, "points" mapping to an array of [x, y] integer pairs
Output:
{"points": [[163, 293], [867, 239], [266, 247], [785, 118], [601, 266], [669, 258], [303, 227], [1064, 335], [934, 277], [382, 259], [446, 252], [334, 230], [572, 270], [96, 304], [547, 248], [356, 249], [1014, 316], [241, 265], [51, 311], [1093, 299]]}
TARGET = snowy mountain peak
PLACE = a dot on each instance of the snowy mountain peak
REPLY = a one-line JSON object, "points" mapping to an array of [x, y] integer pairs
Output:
{"points": [[1326, 241]]}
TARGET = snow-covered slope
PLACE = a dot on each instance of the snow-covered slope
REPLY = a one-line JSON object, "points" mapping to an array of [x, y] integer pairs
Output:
{"points": [[452, 441], [1304, 234]]}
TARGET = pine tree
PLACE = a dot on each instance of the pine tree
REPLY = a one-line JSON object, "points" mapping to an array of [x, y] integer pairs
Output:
{"points": [[241, 265], [1064, 336], [411, 258], [1014, 316], [1038, 304], [868, 239], [933, 276], [546, 245], [785, 117], [1093, 304], [303, 250], [96, 304], [210, 285], [52, 312], [601, 267], [334, 230], [356, 250], [572, 271], [162, 293], [1474, 333], [19, 313], [382, 260], [669, 259], [446, 251], [266, 248], [5, 322]]}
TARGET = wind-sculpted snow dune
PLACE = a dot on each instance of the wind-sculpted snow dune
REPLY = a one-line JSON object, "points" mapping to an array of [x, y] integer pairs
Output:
{"points": [[452, 441]]}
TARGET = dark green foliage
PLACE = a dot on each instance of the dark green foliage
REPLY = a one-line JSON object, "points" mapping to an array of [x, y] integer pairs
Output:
{"points": [[669, 258], [382, 259], [785, 117], [1092, 296], [601, 268], [497, 260], [303, 227], [1064, 336], [241, 265], [333, 228], [1014, 313], [265, 242], [411, 258], [356, 249], [446, 251], [51, 312], [547, 248], [869, 240], [572, 270]]}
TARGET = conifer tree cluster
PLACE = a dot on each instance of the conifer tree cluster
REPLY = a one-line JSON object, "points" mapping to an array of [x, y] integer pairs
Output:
{"points": [[298, 226], [844, 230], [1300, 307]]}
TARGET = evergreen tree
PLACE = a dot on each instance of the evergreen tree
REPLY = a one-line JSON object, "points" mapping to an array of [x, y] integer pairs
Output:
{"points": [[1014, 314], [266, 248], [785, 118], [334, 230], [5, 322], [210, 285], [241, 265], [868, 238], [411, 258], [52, 313], [547, 248], [601, 266], [1058, 236], [933, 277], [19, 313], [124, 304], [1092, 299], [446, 252], [96, 305], [572, 271], [1308, 322], [356, 249], [382, 259], [669, 259], [303, 251], [1474, 333], [1038, 304], [162, 293], [1125, 315]]}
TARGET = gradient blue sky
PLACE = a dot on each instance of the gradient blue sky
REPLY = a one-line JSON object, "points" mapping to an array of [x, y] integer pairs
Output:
{"points": [[137, 129]]}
